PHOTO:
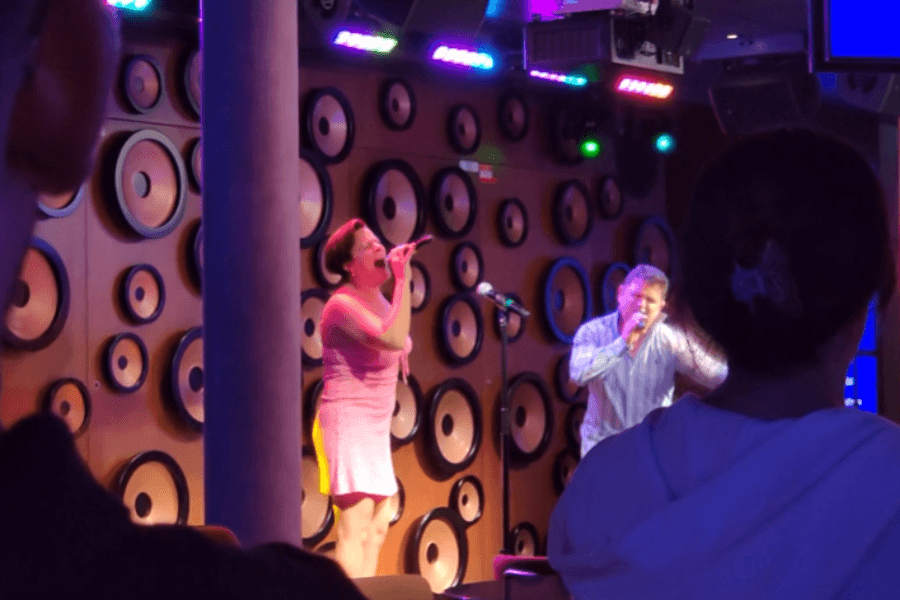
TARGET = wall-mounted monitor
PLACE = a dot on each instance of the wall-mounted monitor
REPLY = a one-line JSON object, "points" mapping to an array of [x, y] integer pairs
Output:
{"points": [[849, 35]]}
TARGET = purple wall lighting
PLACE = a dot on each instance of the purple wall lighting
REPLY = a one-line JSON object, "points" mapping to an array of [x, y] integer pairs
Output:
{"points": [[468, 58], [573, 80], [366, 42], [633, 85]]}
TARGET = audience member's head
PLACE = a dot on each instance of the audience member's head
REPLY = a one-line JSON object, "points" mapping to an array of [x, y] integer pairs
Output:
{"points": [[786, 244]]}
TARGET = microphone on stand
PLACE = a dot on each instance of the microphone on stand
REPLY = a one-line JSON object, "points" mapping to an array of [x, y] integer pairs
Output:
{"points": [[487, 290]]}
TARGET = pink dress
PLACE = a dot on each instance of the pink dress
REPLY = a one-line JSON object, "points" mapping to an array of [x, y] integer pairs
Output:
{"points": [[355, 413]]}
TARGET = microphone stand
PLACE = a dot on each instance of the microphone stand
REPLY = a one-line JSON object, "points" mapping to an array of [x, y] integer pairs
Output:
{"points": [[505, 429]]}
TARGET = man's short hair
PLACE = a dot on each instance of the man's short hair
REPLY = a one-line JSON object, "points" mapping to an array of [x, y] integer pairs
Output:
{"points": [[650, 275]]}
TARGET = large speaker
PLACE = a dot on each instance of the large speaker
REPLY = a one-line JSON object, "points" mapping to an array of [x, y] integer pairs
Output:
{"points": [[457, 18], [748, 102]]}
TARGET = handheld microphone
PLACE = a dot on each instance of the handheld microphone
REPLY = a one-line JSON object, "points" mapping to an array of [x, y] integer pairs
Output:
{"points": [[487, 290]]}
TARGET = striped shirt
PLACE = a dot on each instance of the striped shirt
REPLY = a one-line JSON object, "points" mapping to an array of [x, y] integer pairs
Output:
{"points": [[624, 389]]}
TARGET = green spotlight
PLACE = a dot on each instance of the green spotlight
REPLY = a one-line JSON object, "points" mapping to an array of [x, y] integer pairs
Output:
{"points": [[591, 148], [664, 143]]}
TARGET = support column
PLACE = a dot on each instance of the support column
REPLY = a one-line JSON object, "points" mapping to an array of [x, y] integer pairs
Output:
{"points": [[251, 286]]}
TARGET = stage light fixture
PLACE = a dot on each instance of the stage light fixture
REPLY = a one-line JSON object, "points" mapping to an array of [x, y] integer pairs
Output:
{"points": [[645, 87], [136, 5], [664, 143], [367, 42], [573, 80], [476, 59]]}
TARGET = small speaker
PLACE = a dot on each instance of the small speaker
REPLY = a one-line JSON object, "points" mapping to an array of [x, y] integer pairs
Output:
{"points": [[748, 102]]}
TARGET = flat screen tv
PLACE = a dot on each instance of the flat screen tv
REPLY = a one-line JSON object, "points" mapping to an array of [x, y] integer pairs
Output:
{"points": [[849, 35]]}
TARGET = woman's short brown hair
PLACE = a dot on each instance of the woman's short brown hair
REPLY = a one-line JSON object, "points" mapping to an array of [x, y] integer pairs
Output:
{"points": [[339, 248]]}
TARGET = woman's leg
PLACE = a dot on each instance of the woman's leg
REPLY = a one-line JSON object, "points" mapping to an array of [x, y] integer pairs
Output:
{"points": [[353, 531], [378, 531]]}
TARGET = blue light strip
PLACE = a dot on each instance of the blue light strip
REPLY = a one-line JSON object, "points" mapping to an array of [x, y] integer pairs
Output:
{"points": [[130, 4], [573, 80]]}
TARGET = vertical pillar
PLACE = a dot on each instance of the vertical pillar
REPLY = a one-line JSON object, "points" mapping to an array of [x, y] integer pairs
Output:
{"points": [[251, 286], [889, 327]]}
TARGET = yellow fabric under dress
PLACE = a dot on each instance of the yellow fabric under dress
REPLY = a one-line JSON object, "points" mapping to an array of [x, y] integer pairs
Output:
{"points": [[322, 460]]}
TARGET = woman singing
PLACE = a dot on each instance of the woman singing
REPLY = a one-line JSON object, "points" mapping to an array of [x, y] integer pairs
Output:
{"points": [[366, 340]]}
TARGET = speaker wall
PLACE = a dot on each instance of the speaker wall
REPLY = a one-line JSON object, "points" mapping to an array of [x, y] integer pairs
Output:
{"points": [[125, 362], [564, 468], [613, 276], [316, 511], [328, 124], [574, 418], [311, 401], [419, 285], [154, 489], [316, 199], [191, 72], [397, 503], [512, 222], [394, 202], [186, 379], [461, 329], [525, 540], [453, 426], [439, 550], [610, 201], [40, 300], [467, 499], [195, 164], [531, 417], [143, 294], [463, 129], [397, 104], [195, 255], [565, 388], [573, 218], [466, 266], [515, 325], [567, 298], [513, 116], [150, 183], [407, 411], [311, 304], [454, 202], [69, 400], [142, 83], [62, 205], [655, 245]]}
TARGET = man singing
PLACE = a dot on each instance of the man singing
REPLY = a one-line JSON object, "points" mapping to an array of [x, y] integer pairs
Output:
{"points": [[628, 358]]}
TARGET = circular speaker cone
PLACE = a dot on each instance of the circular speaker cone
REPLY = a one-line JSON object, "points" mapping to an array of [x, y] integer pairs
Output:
{"points": [[454, 202], [328, 279], [572, 215], [150, 182], [143, 293], [512, 222], [142, 83], [316, 511], [195, 255], [195, 164], [525, 540], [419, 285], [567, 391], [454, 426], [316, 199], [311, 401], [574, 418], [463, 129], [531, 417], [40, 299], [439, 550], [609, 198], [397, 503], [190, 80], [564, 140], [564, 467], [328, 124], [613, 276], [407, 411], [154, 489], [515, 325], [467, 266], [393, 202], [467, 499], [461, 329], [655, 245], [69, 400], [311, 304], [512, 116], [397, 104], [567, 298], [187, 379], [126, 362], [60, 205]]}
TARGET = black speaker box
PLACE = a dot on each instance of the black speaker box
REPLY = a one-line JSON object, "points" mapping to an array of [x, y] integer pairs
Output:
{"points": [[749, 102]]}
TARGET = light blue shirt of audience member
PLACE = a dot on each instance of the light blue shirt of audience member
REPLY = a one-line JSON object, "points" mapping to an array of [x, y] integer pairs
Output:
{"points": [[623, 388]]}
